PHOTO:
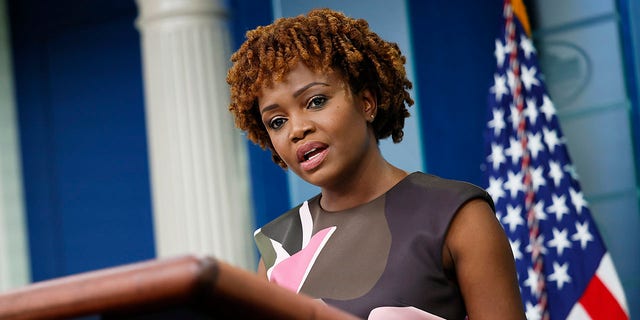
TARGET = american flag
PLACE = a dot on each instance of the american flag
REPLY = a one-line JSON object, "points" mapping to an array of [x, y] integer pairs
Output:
{"points": [[564, 269]]}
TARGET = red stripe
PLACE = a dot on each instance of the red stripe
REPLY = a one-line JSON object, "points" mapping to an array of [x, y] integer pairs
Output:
{"points": [[599, 303]]}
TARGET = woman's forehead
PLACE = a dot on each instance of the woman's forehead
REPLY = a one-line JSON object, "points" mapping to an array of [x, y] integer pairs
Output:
{"points": [[300, 74]]}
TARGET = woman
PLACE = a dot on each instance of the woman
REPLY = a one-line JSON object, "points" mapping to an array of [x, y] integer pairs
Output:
{"points": [[319, 91]]}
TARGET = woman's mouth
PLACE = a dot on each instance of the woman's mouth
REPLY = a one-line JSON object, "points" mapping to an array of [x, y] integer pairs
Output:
{"points": [[311, 155]]}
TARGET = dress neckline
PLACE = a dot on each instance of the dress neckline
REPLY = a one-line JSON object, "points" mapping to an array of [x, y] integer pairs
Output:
{"points": [[402, 181]]}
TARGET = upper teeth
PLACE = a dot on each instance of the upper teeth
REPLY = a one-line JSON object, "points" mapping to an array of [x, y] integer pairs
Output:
{"points": [[306, 154], [310, 151]]}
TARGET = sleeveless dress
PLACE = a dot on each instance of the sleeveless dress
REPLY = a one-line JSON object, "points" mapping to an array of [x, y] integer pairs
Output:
{"points": [[383, 254]]}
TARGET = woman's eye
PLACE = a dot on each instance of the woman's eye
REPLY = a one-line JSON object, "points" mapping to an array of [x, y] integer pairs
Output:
{"points": [[317, 102], [276, 123]]}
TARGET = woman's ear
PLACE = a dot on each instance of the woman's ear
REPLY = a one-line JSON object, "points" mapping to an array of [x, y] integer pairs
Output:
{"points": [[370, 104]]}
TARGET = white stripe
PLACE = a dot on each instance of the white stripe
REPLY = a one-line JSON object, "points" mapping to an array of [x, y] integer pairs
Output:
{"points": [[281, 254], [307, 223], [315, 255], [578, 313], [607, 274]]}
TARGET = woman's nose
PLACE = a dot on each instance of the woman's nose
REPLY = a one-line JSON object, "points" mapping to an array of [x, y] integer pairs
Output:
{"points": [[300, 128]]}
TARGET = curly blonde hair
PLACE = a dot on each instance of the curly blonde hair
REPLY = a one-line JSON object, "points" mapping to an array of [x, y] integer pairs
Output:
{"points": [[323, 39]]}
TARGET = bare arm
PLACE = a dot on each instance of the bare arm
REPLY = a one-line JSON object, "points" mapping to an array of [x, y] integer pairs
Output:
{"points": [[477, 247]]}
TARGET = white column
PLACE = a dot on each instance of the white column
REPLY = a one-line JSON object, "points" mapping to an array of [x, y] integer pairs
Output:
{"points": [[197, 156], [14, 260]]}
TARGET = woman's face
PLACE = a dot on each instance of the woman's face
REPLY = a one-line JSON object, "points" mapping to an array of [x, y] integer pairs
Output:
{"points": [[317, 126]]}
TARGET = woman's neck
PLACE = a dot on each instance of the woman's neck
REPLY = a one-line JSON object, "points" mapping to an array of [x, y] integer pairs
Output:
{"points": [[363, 186]]}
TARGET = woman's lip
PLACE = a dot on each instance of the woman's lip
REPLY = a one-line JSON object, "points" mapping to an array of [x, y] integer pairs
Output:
{"points": [[320, 151], [314, 161], [308, 146]]}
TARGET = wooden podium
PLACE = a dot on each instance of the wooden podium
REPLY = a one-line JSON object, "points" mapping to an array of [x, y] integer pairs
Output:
{"points": [[178, 288]]}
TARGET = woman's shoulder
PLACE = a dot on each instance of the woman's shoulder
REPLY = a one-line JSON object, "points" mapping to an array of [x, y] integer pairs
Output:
{"points": [[428, 189], [434, 182]]}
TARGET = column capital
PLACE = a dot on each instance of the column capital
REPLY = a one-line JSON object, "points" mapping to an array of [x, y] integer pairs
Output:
{"points": [[150, 11]]}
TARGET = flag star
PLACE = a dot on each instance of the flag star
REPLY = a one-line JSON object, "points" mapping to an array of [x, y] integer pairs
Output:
{"points": [[533, 312], [515, 248], [527, 46], [560, 275], [547, 108], [528, 77], [532, 282], [514, 183], [537, 246], [497, 123], [497, 156], [577, 199], [500, 52], [513, 218], [534, 144], [538, 209], [531, 111], [555, 172], [495, 189], [582, 234], [560, 240], [515, 150], [537, 178], [558, 207], [551, 138], [500, 87], [572, 171]]}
